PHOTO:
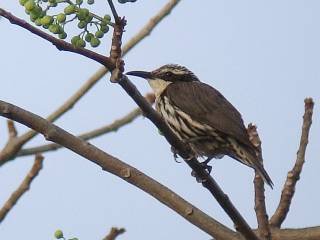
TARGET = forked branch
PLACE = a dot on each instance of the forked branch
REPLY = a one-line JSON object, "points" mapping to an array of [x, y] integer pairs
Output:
{"points": [[294, 175]]}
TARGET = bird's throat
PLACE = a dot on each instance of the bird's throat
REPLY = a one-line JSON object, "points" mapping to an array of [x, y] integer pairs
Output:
{"points": [[158, 86]]}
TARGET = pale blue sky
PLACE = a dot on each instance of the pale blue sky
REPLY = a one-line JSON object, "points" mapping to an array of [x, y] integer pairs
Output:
{"points": [[262, 55]]}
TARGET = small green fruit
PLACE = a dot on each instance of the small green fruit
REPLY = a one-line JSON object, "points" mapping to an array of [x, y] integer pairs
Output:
{"points": [[88, 37], [82, 13], [47, 20], [82, 24], [61, 18], [74, 40], [30, 5], [90, 2], [70, 9], [104, 29], [99, 34], [81, 43], [62, 35], [58, 234], [95, 42], [22, 2]]}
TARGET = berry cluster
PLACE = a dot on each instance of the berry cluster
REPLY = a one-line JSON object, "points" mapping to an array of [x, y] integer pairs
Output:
{"points": [[72, 12]]}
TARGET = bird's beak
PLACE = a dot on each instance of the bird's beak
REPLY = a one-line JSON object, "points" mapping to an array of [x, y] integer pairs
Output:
{"points": [[142, 74]]}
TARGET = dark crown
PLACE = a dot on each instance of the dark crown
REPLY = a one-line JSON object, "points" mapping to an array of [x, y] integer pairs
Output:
{"points": [[174, 73]]}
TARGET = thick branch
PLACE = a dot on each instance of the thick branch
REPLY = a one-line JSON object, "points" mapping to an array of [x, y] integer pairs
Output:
{"points": [[260, 204], [91, 134], [120, 169], [294, 175], [24, 187], [60, 44]]}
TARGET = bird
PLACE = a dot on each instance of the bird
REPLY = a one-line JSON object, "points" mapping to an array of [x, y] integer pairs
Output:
{"points": [[199, 115]]}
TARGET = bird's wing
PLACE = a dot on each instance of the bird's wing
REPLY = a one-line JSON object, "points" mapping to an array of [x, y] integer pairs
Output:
{"points": [[206, 105]]}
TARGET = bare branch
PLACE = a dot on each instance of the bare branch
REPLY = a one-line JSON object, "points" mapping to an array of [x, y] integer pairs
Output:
{"points": [[120, 169], [91, 134], [260, 204], [60, 44], [24, 187], [294, 175], [114, 233]]}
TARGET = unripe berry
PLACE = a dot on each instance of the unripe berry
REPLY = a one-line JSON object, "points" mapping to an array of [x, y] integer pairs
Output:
{"points": [[74, 40], [82, 24], [54, 28], [81, 43], [47, 20], [22, 2], [90, 2], [88, 37], [82, 13], [29, 5], [62, 35], [104, 29], [99, 34], [58, 234], [95, 42], [61, 18], [106, 19], [70, 9]]}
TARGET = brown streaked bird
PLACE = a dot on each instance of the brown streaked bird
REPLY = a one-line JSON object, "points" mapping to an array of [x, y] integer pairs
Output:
{"points": [[201, 116]]}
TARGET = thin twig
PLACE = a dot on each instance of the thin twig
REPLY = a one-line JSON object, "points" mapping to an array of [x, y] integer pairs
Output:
{"points": [[114, 233], [114, 12], [294, 175], [10, 150], [128, 118], [24, 187], [120, 169], [60, 44], [12, 129], [260, 204]]}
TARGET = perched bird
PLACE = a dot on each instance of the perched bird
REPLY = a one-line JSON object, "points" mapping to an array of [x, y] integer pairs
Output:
{"points": [[201, 116]]}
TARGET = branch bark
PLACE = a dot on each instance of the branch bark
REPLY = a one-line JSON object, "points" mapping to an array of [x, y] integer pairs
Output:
{"points": [[118, 123], [294, 175], [23, 188], [120, 169], [260, 204]]}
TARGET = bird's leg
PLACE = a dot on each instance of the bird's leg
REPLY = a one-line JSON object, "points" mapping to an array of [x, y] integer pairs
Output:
{"points": [[175, 154]]}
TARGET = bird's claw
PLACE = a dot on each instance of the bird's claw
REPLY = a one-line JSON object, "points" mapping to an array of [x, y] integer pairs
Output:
{"points": [[175, 154]]}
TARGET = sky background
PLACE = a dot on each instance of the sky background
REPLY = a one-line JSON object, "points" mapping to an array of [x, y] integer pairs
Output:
{"points": [[262, 55]]}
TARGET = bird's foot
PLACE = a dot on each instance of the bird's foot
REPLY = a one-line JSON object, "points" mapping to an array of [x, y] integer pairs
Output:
{"points": [[205, 165]]}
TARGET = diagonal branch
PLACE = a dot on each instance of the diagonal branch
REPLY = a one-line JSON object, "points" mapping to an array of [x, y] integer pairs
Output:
{"points": [[120, 169], [24, 187], [60, 44], [294, 175], [260, 204], [91, 134], [10, 150]]}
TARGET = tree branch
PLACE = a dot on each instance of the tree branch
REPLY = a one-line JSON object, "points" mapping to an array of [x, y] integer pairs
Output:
{"points": [[60, 44], [294, 175], [91, 134], [114, 233], [120, 169], [260, 204], [24, 187]]}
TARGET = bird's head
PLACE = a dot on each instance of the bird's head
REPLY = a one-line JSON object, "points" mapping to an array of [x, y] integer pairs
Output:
{"points": [[160, 78]]}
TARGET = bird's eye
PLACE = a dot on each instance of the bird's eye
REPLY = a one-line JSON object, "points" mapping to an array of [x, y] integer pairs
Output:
{"points": [[168, 74]]}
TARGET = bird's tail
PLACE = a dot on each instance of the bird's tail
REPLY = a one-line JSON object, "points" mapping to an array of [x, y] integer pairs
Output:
{"points": [[251, 158]]}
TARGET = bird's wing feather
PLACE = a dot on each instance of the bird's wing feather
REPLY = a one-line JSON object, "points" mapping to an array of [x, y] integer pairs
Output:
{"points": [[211, 108]]}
